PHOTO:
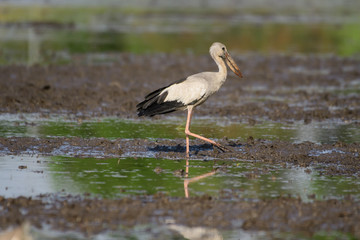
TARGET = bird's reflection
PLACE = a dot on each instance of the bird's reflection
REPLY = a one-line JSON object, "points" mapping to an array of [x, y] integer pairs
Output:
{"points": [[195, 232], [187, 180]]}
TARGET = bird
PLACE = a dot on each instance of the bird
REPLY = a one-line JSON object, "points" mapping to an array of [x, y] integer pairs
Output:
{"points": [[190, 92]]}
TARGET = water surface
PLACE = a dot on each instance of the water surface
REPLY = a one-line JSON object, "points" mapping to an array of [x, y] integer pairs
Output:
{"points": [[173, 127], [119, 177]]}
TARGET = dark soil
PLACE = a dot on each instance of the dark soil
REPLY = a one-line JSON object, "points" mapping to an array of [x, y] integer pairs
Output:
{"points": [[92, 216], [279, 88], [275, 87]]}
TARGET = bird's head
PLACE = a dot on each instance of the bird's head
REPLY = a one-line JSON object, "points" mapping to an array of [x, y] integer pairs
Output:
{"points": [[219, 50]]}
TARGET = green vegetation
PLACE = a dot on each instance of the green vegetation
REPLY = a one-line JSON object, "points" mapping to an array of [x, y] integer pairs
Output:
{"points": [[53, 34], [46, 13]]}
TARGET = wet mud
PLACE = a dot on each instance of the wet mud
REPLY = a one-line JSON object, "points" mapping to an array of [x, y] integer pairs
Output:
{"points": [[279, 88], [91, 216], [274, 87]]}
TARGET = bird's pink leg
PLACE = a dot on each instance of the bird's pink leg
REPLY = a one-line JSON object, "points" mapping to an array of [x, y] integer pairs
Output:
{"points": [[188, 133], [188, 121]]}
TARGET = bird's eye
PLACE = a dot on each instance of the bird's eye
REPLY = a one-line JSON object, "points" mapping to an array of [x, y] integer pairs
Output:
{"points": [[223, 48]]}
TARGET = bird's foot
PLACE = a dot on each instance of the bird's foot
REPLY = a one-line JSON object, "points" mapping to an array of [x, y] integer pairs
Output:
{"points": [[222, 148]]}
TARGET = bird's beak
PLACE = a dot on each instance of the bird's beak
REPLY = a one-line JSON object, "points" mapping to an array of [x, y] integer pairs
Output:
{"points": [[232, 65]]}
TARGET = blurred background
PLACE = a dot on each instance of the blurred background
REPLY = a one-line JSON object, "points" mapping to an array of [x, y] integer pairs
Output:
{"points": [[57, 31]]}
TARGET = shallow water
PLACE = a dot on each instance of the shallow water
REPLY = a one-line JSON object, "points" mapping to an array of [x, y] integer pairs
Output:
{"points": [[30, 175], [114, 178], [171, 128]]}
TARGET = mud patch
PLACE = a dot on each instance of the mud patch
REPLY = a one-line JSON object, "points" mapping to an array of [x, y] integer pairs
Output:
{"points": [[274, 87], [92, 216]]}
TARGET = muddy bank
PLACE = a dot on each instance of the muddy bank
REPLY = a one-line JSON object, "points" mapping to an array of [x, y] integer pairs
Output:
{"points": [[275, 87], [331, 159], [91, 216]]}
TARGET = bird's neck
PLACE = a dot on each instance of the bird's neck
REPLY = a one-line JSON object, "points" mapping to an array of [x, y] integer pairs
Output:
{"points": [[222, 67]]}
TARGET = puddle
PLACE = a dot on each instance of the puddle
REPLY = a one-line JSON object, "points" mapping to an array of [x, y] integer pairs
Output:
{"points": [[115, 178], [171, 128]]}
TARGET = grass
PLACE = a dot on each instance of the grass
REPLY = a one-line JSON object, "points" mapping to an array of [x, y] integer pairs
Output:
{"points": [[43, 13], [85, 14], [83, 37]]}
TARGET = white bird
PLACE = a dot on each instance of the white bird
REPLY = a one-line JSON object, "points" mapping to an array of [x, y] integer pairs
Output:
{"points": [[190, 92]]}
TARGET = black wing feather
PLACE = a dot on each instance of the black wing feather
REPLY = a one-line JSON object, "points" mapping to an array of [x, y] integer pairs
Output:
{"points": [[154, 103], [154, 93]]}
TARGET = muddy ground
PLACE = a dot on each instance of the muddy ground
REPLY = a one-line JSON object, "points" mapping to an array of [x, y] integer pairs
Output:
{"points": [[276, 87], [279, 88], [92, 216]]}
